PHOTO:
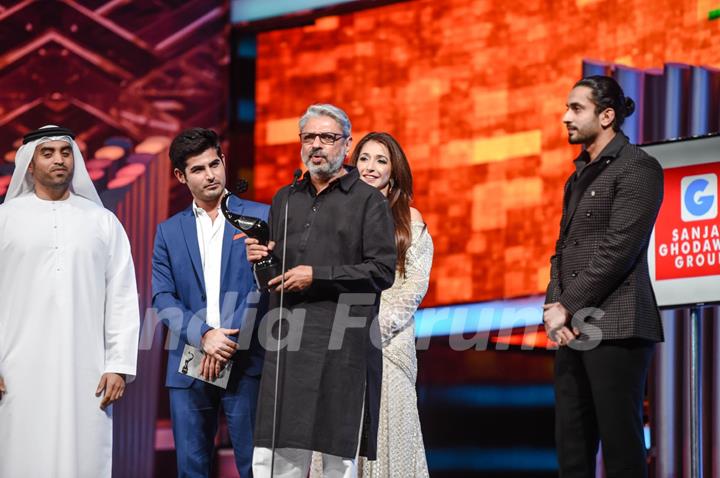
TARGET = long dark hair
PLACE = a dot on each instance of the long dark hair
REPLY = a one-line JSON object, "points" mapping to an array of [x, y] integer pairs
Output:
{"points": [[607, 93], [400, 193]]}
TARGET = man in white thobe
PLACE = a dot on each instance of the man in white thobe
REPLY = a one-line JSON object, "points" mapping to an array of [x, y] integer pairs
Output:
{"points": [[69, 315]]}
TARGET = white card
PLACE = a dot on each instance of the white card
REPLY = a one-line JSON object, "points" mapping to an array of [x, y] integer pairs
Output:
{"points": [[190, 366]]}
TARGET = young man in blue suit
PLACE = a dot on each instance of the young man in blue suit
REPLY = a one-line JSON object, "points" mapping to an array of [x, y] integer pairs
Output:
{"points": [[204, 291]]}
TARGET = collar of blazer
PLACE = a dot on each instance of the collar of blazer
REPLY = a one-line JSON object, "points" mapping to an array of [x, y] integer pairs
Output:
{"points": [[586, 174], [611, 151]]}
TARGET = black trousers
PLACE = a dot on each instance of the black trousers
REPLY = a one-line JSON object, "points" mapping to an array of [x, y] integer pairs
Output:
{"points": [[599, 397]]}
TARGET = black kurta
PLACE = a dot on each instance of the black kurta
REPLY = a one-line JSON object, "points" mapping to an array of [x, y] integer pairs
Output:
{"points": [[346, 233]]}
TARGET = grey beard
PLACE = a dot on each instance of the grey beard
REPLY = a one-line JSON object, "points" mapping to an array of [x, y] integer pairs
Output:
{"points": [[324, 171]]}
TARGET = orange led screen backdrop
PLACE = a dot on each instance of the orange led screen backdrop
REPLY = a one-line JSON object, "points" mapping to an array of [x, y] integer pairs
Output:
{"points": [[475, 92]]}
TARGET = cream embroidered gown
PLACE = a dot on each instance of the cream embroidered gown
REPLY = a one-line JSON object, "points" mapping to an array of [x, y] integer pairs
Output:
{"points": [[400, 449]]}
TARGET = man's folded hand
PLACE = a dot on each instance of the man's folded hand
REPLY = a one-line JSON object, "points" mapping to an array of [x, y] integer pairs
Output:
{"points": [[216, 343]]}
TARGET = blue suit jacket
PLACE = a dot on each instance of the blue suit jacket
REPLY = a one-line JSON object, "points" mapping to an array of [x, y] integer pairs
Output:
{"points": [[178, 288]]}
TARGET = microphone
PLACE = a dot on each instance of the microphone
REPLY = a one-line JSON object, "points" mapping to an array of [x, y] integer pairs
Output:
{"points": [[242, 186], [296, 177]]}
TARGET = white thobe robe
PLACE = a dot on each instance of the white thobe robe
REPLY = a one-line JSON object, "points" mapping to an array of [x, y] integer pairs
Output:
{"points": [[68, 314]]}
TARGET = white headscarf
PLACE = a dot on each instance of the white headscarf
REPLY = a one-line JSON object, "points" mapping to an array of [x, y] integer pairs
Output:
{"points": [[22, 182]]}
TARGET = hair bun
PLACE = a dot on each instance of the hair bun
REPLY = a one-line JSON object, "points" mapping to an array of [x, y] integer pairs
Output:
{"points": [[629, 106]]}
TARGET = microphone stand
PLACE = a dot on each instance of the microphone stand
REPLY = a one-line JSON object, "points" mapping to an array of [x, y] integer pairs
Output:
{"points": [[296, 176]]}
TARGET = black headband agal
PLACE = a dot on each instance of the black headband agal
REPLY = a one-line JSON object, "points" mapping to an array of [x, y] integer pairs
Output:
{"points": [[44, 132]]}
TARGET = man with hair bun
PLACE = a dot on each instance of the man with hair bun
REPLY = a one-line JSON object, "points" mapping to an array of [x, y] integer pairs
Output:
{"points": [[600, 307]]}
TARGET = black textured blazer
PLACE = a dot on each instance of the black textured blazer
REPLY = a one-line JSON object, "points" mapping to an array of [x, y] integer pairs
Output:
{"points": [[600, 258]]}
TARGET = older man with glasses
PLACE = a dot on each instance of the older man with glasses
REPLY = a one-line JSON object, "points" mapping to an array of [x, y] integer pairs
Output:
{"points": [[340, 255]]}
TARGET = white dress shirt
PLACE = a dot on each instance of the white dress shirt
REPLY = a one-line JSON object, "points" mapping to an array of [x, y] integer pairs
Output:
{"points": [[210, 240]]}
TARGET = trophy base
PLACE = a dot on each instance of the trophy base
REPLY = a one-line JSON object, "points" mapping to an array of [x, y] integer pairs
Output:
{"points": [[266, 272]]}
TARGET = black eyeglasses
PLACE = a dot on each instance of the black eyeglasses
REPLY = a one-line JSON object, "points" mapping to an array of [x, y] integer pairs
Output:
{"points": [[325, 138]]}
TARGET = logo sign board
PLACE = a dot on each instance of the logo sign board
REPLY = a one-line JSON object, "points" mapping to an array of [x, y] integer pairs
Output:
{"points": [[684, 252]]}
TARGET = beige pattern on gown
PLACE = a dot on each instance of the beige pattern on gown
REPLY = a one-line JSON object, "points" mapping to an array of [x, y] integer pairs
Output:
{"points": [[400, 450]]}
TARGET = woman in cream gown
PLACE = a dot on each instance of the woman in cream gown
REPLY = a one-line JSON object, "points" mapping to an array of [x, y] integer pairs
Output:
{"points": [[400, 450]]}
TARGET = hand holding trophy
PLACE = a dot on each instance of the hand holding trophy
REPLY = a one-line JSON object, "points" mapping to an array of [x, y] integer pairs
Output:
{"points": [[269, 266]]}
